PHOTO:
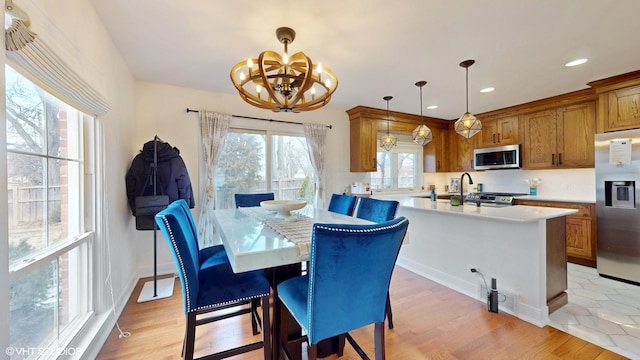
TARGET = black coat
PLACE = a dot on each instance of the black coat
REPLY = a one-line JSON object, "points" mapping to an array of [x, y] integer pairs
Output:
{"points": [[173, 178]]}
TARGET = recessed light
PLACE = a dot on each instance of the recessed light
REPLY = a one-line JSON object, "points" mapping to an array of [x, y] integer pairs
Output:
{"points": [[575, 62], [431, 107], [486, 90]]}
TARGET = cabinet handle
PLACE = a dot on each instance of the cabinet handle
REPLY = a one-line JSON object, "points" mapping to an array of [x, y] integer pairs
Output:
{"points": [[498, 137], [493, 138], [559, 158], [437, 164], [375, 164], [553, 159]]}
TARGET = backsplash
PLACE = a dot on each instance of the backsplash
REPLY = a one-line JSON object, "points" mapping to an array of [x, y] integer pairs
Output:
{"points": [[569, 183]]}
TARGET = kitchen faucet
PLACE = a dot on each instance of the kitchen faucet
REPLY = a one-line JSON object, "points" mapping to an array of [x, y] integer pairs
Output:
{"points": [[462, 186]]}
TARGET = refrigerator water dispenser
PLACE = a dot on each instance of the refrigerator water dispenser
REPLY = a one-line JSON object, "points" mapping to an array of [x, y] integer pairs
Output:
{"points": [[620, 194]]}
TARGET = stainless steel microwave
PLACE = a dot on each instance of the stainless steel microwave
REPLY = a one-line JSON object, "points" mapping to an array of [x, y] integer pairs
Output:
{"points": [[501, 157]]}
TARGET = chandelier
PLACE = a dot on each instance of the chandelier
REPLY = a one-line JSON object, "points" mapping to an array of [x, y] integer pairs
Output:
{"points": [[284, 83], [388, 141], [422, 135], [468, 125]]}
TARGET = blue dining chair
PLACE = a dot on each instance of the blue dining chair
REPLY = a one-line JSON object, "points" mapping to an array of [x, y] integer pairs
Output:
{"points": [[216, 287], [248, 200], [342, 204], [377, 210], [208, 256], [215, 255], [338, 251]]}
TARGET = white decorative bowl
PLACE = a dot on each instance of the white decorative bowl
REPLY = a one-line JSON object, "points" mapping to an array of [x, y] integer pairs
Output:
{"points": [[283, 207]]}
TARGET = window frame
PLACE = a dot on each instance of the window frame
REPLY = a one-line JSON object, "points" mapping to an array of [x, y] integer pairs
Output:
{"points": [[83, 241], [404, 144]]}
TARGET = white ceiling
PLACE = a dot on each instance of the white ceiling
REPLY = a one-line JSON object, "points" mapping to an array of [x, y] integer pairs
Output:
{"points": [[379, 48]]}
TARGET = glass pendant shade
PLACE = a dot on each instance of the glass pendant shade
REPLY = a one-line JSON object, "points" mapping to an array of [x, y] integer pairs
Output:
{"points": [[468, 125], [422, 135], [388, 141]]}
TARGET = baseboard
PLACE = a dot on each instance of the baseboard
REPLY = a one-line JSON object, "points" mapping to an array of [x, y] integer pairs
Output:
{"points": [[535, 316], [97, 330]]}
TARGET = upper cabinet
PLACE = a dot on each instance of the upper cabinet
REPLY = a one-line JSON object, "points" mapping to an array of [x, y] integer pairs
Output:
{"points": [[559, 138], [498, 132], [366, 123], [461, 151], [618, 102], [436, 157]]}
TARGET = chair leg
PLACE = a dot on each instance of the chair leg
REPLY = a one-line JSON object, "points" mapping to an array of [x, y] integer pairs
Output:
{"points": [[312, 352], [190, 336], [379, 341], [341, 339], [255, 320], [266, 327], [389, 313]]}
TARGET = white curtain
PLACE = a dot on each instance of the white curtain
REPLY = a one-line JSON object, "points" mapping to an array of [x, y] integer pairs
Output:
{"points": [[316, 134], [214, 127]]}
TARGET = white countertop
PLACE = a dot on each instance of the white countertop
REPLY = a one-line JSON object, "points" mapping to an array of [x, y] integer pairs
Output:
{"points": [[518, 213]]}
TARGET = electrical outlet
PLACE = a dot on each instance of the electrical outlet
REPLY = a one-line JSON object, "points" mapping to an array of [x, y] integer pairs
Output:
{"points": [[469, 267], [507, 301]]}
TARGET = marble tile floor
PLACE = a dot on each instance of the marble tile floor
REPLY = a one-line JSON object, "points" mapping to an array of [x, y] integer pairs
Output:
{"points": [[602, 311]]}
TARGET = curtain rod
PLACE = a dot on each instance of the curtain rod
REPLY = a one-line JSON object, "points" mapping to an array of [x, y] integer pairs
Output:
{"points": [[261, 119]]}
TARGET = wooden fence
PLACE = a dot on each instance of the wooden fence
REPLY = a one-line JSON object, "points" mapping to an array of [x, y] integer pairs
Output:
{"points": [[27, 204]]}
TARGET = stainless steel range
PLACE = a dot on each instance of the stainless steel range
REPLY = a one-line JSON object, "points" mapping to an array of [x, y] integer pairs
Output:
{"points": [[491, 198]]}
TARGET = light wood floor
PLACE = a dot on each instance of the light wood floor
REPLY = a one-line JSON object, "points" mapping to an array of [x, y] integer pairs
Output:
{"points": [[431, 322]]}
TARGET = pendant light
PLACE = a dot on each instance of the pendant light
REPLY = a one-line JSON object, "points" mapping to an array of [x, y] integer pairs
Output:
{"points": [[468, 125], [422, 134], [388, 141]]}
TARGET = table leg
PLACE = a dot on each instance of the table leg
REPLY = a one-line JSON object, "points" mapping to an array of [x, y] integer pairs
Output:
{"points": [[278, 275]]}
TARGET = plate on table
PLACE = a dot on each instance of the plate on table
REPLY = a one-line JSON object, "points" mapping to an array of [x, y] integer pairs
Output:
{"points": [[283, 207]]}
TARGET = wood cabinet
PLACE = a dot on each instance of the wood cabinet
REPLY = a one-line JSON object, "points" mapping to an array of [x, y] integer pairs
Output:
{"points": [[363, 145], [366, 123], [561, 137], [461, 152], [580, 229], [618, 102], [498, 132], [435, 154]]}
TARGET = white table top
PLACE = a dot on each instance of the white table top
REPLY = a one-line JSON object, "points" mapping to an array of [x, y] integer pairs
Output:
{"points": [[251, 244]]}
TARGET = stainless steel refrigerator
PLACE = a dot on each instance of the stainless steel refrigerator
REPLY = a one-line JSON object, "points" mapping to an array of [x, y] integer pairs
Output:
{"points": [[617, 168]]}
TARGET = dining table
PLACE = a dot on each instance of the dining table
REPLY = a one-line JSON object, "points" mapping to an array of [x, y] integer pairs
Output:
{"points": [[255, 238]]}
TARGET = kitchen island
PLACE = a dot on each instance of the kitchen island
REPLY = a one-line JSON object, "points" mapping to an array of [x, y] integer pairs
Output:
{"points": [[523, 247]]}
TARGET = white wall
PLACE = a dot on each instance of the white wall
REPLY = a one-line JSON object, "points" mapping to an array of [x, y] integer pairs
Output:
{"points": [[161, 110], [72, 29]]}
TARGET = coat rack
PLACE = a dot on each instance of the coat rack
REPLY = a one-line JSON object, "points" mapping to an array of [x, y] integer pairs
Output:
{"points": [[163, 288]]}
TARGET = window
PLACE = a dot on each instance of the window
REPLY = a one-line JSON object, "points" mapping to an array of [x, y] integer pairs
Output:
{"points": [[49, 235], [400, 168], [261, 161]]}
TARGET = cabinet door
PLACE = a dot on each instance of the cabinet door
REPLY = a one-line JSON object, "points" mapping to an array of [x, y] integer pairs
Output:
{"points": [[579, 237], [435, 153], [461, 152], [575, 135], [539, 140], [507, 131], [487, 137], [622, 110], [363, 145], [498, 132]]}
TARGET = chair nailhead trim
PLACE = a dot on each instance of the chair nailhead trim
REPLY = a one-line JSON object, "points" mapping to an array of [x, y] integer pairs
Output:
{"points": [[189, 309], [362, 230]]}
